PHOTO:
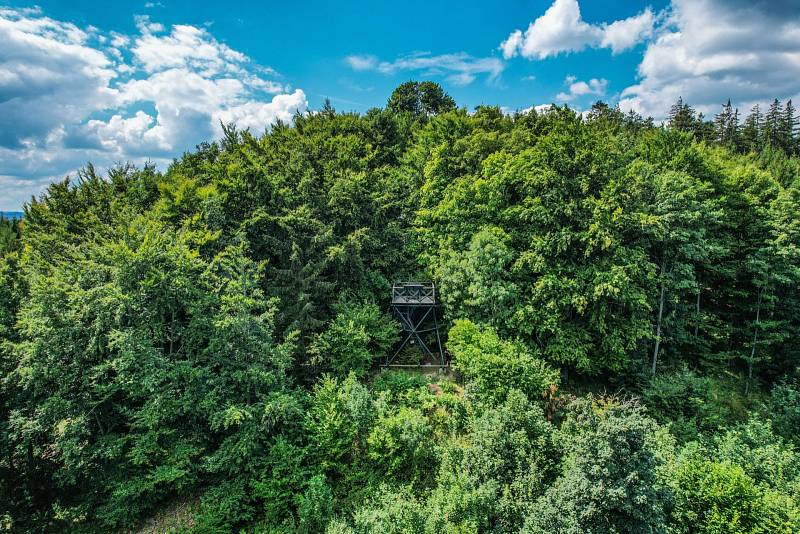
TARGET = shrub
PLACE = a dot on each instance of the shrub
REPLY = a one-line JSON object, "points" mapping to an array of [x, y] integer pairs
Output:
{"points": [[337, 423], [504, 463], [783, 407], [282, 477], [223, 507], [401, 445], [392, 511], [610, 482], [495, 366], [713, 497], [763, 455], [690, 404], [315, 506], [398, 382], [357, 334]]}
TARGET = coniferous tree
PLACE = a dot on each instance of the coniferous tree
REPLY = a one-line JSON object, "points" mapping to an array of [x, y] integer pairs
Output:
{"points": [[721, 122], [682, 117], [726, 126], [790, 128], [704, 130], [752, 130], [774, 128], [635, 123]]}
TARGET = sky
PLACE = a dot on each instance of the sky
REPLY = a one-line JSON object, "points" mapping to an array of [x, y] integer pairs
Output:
{"points": [[111, 82]]}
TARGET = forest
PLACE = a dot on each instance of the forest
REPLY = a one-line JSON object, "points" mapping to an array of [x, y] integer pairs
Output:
{"points": [[197, 349]]}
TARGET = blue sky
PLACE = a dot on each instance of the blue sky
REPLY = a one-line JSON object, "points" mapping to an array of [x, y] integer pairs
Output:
{"points": [[136, 81], [308, 45]]}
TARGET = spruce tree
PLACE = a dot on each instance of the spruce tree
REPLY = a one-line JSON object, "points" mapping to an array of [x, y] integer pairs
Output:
{"points": [[773, 127], [682, 117], [790, 128], [726, 126], [751, 138]]}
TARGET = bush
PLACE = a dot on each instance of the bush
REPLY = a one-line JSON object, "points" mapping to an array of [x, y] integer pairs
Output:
{"points": [[713, 497], [495, 366], [337, 526], [763, 455], [337, 424], [401, 446], [282, 477], [223, 507], [315, 506], [398, 382], [688, 403], [783, 407], [358, 334], [392, 511], [444, 404], [458, 506], [494, 475], [610, 482]]}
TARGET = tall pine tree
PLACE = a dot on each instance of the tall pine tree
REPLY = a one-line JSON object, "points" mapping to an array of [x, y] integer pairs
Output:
{"points": [[752, 130], [790, 128], [773, 125], [726, 126], [682, 117]]}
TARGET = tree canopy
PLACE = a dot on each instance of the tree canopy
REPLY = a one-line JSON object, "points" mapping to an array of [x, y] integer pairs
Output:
{"points": [[620, 300]]}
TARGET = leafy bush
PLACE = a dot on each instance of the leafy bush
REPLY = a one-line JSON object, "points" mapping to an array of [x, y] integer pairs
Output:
{"points": [[505, 461], [283, 475], [712, 497], [398, 382], [688, 403], [496, 366], [315, 506], [223, 507], [444, 404], [783, 408], [400, 446], [763, 455], [337, 424], [337, 526], [610, 480], [392, 511], [357, 335]]}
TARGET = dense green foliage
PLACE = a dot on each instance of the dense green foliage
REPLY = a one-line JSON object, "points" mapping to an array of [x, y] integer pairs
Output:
{"points": [[210, 333]]}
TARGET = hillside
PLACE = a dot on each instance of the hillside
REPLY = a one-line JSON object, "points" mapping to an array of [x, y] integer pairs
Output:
{"points": [[620, 305]]}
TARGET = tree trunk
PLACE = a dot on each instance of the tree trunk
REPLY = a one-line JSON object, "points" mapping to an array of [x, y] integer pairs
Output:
{"points": [[660, 315], [697, 313], [753, 348], [171, 331]]}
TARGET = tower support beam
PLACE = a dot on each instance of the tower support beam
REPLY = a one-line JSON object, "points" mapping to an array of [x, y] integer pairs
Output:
{"points": [[416, 306]]}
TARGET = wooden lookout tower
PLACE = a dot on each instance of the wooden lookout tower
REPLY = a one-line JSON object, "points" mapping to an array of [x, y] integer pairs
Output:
{"points": [[415, 304]]}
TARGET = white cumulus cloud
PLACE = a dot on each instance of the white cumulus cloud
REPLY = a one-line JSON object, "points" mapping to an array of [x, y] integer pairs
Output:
{"points": [[561, 29], [627, 33], [69, 95], [705, 51], [578, 88], [711, 50]]}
